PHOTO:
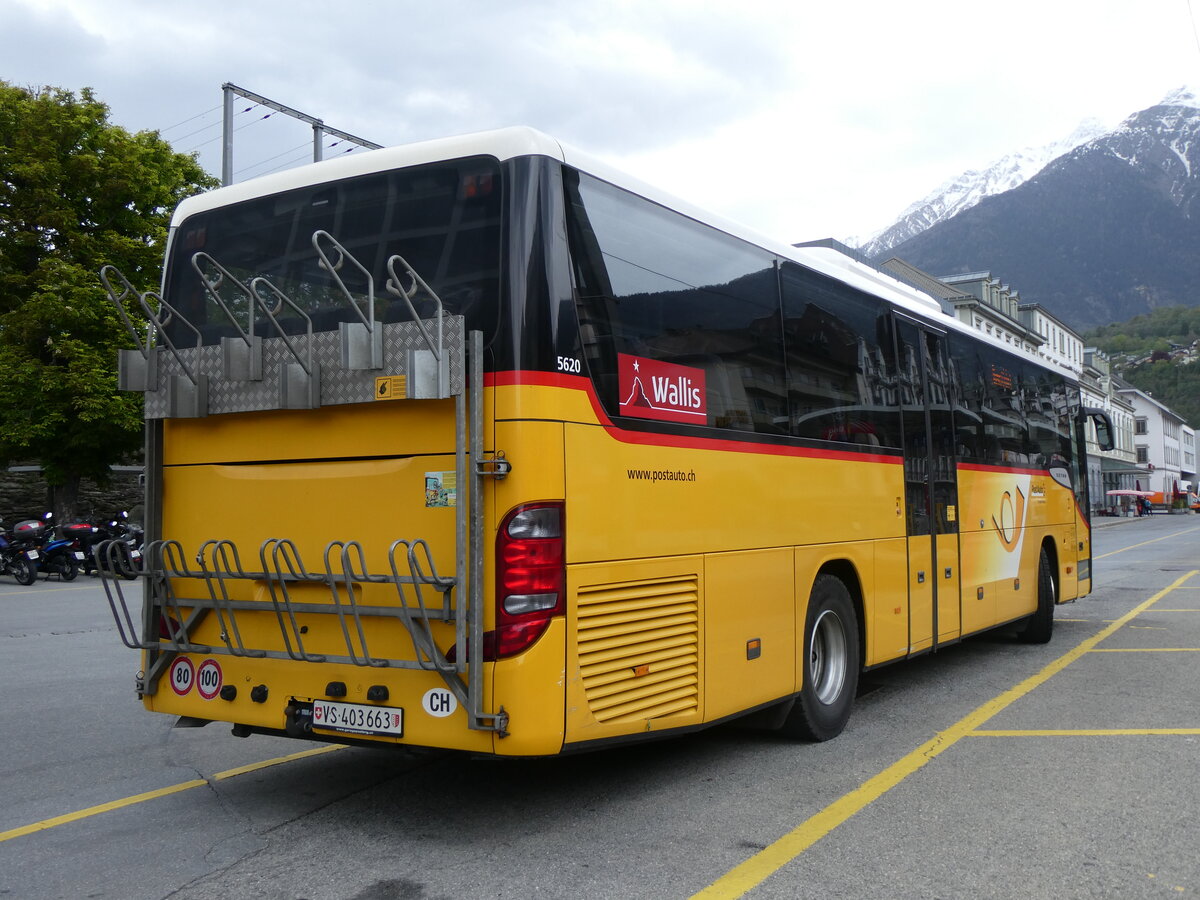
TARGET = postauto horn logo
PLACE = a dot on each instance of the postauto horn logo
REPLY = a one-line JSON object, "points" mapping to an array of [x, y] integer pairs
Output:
{"points": [[651, 389]]}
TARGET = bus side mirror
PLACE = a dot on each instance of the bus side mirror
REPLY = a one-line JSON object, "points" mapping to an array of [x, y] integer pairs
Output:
{"points": [[1104, 427]]}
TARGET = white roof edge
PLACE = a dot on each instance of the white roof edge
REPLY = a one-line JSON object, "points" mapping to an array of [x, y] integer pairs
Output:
{"points": [[509, 143], [502, 143]]}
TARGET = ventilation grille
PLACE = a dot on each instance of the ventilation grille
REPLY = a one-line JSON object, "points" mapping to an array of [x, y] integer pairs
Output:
{"points": [[638, 648]]}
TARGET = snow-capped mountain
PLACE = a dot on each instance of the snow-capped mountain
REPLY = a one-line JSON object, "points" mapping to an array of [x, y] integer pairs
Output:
{"points": [[1164, 143], [1103, 232], [972, 186]]}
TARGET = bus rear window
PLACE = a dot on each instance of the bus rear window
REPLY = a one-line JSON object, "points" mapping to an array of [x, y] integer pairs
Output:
{"points": [[443, 219]]}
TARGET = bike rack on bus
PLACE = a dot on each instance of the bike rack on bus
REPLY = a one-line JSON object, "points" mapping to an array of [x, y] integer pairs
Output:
{"points": [[181, 593], [299, 381], [241, 355], [187, 388], [362, 341]]}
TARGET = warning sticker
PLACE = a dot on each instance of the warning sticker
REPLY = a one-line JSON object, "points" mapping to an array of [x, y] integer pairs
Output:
{"points": [[441, 489], [391, 387], [208, 679]]}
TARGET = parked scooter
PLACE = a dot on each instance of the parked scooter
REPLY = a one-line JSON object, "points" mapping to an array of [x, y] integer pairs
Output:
{"points": [[59, 556], [17, 557]]}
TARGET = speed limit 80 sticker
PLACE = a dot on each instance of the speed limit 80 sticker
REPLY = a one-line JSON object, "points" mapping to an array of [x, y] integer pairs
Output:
{"points": [[183, 674], [207, 679]]}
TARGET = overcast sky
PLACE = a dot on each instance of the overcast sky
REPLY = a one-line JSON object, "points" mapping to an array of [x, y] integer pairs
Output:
{"points": [[802, 119]]}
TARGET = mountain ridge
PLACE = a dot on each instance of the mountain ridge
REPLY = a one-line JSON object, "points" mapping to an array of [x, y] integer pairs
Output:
{"points": [[972, 186], [1100, 234]]}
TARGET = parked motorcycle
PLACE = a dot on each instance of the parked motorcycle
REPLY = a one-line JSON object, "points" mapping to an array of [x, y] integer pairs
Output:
{"points": [[17, 557], [86, 536], [121, 550]]}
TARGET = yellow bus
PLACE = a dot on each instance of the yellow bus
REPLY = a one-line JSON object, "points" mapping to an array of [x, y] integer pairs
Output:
{"points": [[478, 444]]}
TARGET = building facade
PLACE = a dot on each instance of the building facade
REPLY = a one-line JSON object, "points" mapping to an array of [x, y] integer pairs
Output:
{"points": [[1159, 443], [1118, 469]]}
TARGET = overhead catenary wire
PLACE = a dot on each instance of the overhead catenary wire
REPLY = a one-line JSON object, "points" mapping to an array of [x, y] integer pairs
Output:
{"points": [[198, 115], [1192, 20], [263, 162], [319, 128], [299, 158], [218, 124]]}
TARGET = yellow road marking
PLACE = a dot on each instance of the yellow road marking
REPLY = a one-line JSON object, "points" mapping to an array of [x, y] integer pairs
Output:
{"points": [[1086, 732], [279, 760], [42, 590], [749, 874], [1146, 543], [161, 792], [1147, 650]]}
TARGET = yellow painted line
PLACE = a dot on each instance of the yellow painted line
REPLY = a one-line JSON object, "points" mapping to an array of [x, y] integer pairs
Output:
{"points": [[1087, 732], [102, 808], [277, 761], [156, 794], [1165, 537], [1147, 650], [755, 870], [42, 590]]}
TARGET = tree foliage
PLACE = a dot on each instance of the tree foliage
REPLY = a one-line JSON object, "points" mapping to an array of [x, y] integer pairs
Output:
{"points": [[1142, 351], [1145, 334], [76, 193]]}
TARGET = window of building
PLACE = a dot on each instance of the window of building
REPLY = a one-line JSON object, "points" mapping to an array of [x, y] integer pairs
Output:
{"points": [[1140, 425], [1143, 455]]}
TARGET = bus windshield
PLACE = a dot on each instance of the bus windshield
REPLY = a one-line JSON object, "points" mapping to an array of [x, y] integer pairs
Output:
{"points": [[443, 219]]}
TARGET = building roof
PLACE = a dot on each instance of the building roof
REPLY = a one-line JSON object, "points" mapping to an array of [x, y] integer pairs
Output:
{"points": [[923, 281]]}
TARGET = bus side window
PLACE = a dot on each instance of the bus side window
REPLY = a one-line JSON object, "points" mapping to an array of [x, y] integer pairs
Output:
{"points": [[652, 283]]}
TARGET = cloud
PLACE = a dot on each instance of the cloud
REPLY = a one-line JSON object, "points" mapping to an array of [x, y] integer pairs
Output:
{"points": [[802, 119]]}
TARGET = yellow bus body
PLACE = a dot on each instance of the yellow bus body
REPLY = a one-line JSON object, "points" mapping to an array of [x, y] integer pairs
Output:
{"points": [[686, 596]]}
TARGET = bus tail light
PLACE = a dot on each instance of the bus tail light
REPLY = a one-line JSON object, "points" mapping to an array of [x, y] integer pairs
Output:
{"points": [[531, 577]]}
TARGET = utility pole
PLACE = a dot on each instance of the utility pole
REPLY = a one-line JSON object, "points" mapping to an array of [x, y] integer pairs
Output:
{"points": [[320, 129]]}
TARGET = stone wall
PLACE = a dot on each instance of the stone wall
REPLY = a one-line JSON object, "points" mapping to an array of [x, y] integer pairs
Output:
{"points": [[24, 495]]}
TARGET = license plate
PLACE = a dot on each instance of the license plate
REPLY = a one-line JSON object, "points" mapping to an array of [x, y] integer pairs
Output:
{"points": [[79, 555], [32, 554], [357, 718]]}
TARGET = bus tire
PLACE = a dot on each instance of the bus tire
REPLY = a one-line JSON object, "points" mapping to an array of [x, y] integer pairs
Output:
{"points": [[1039, 627], [831, 663]]}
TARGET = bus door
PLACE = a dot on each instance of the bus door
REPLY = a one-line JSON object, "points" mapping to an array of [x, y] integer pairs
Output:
{"points": [[930, 485]]}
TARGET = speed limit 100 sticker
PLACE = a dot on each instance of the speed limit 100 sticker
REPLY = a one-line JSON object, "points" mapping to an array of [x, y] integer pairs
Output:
{"points": [[183, 673], [208, 679]]}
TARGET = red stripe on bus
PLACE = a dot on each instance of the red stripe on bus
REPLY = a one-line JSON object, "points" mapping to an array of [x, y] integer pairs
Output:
{"points": [[656, 439]]}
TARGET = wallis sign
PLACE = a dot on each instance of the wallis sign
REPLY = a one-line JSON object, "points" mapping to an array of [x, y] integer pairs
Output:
{"points": [[651, 389]]}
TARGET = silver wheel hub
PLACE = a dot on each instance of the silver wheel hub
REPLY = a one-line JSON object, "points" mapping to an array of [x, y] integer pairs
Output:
{"points": [[827, 659]]}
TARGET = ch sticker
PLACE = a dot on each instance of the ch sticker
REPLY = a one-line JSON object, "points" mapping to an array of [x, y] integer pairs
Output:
{"points": [[439, 702]]}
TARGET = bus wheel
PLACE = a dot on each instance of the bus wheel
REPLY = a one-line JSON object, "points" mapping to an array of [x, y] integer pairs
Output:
{"points": [[831, 664], [1040, 626]]}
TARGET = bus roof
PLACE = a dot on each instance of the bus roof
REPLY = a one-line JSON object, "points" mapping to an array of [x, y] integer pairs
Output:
{"points": [[509, 143]]}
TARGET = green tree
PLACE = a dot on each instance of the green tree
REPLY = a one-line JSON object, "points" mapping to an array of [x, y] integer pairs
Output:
{"points": [[76, 193]]}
